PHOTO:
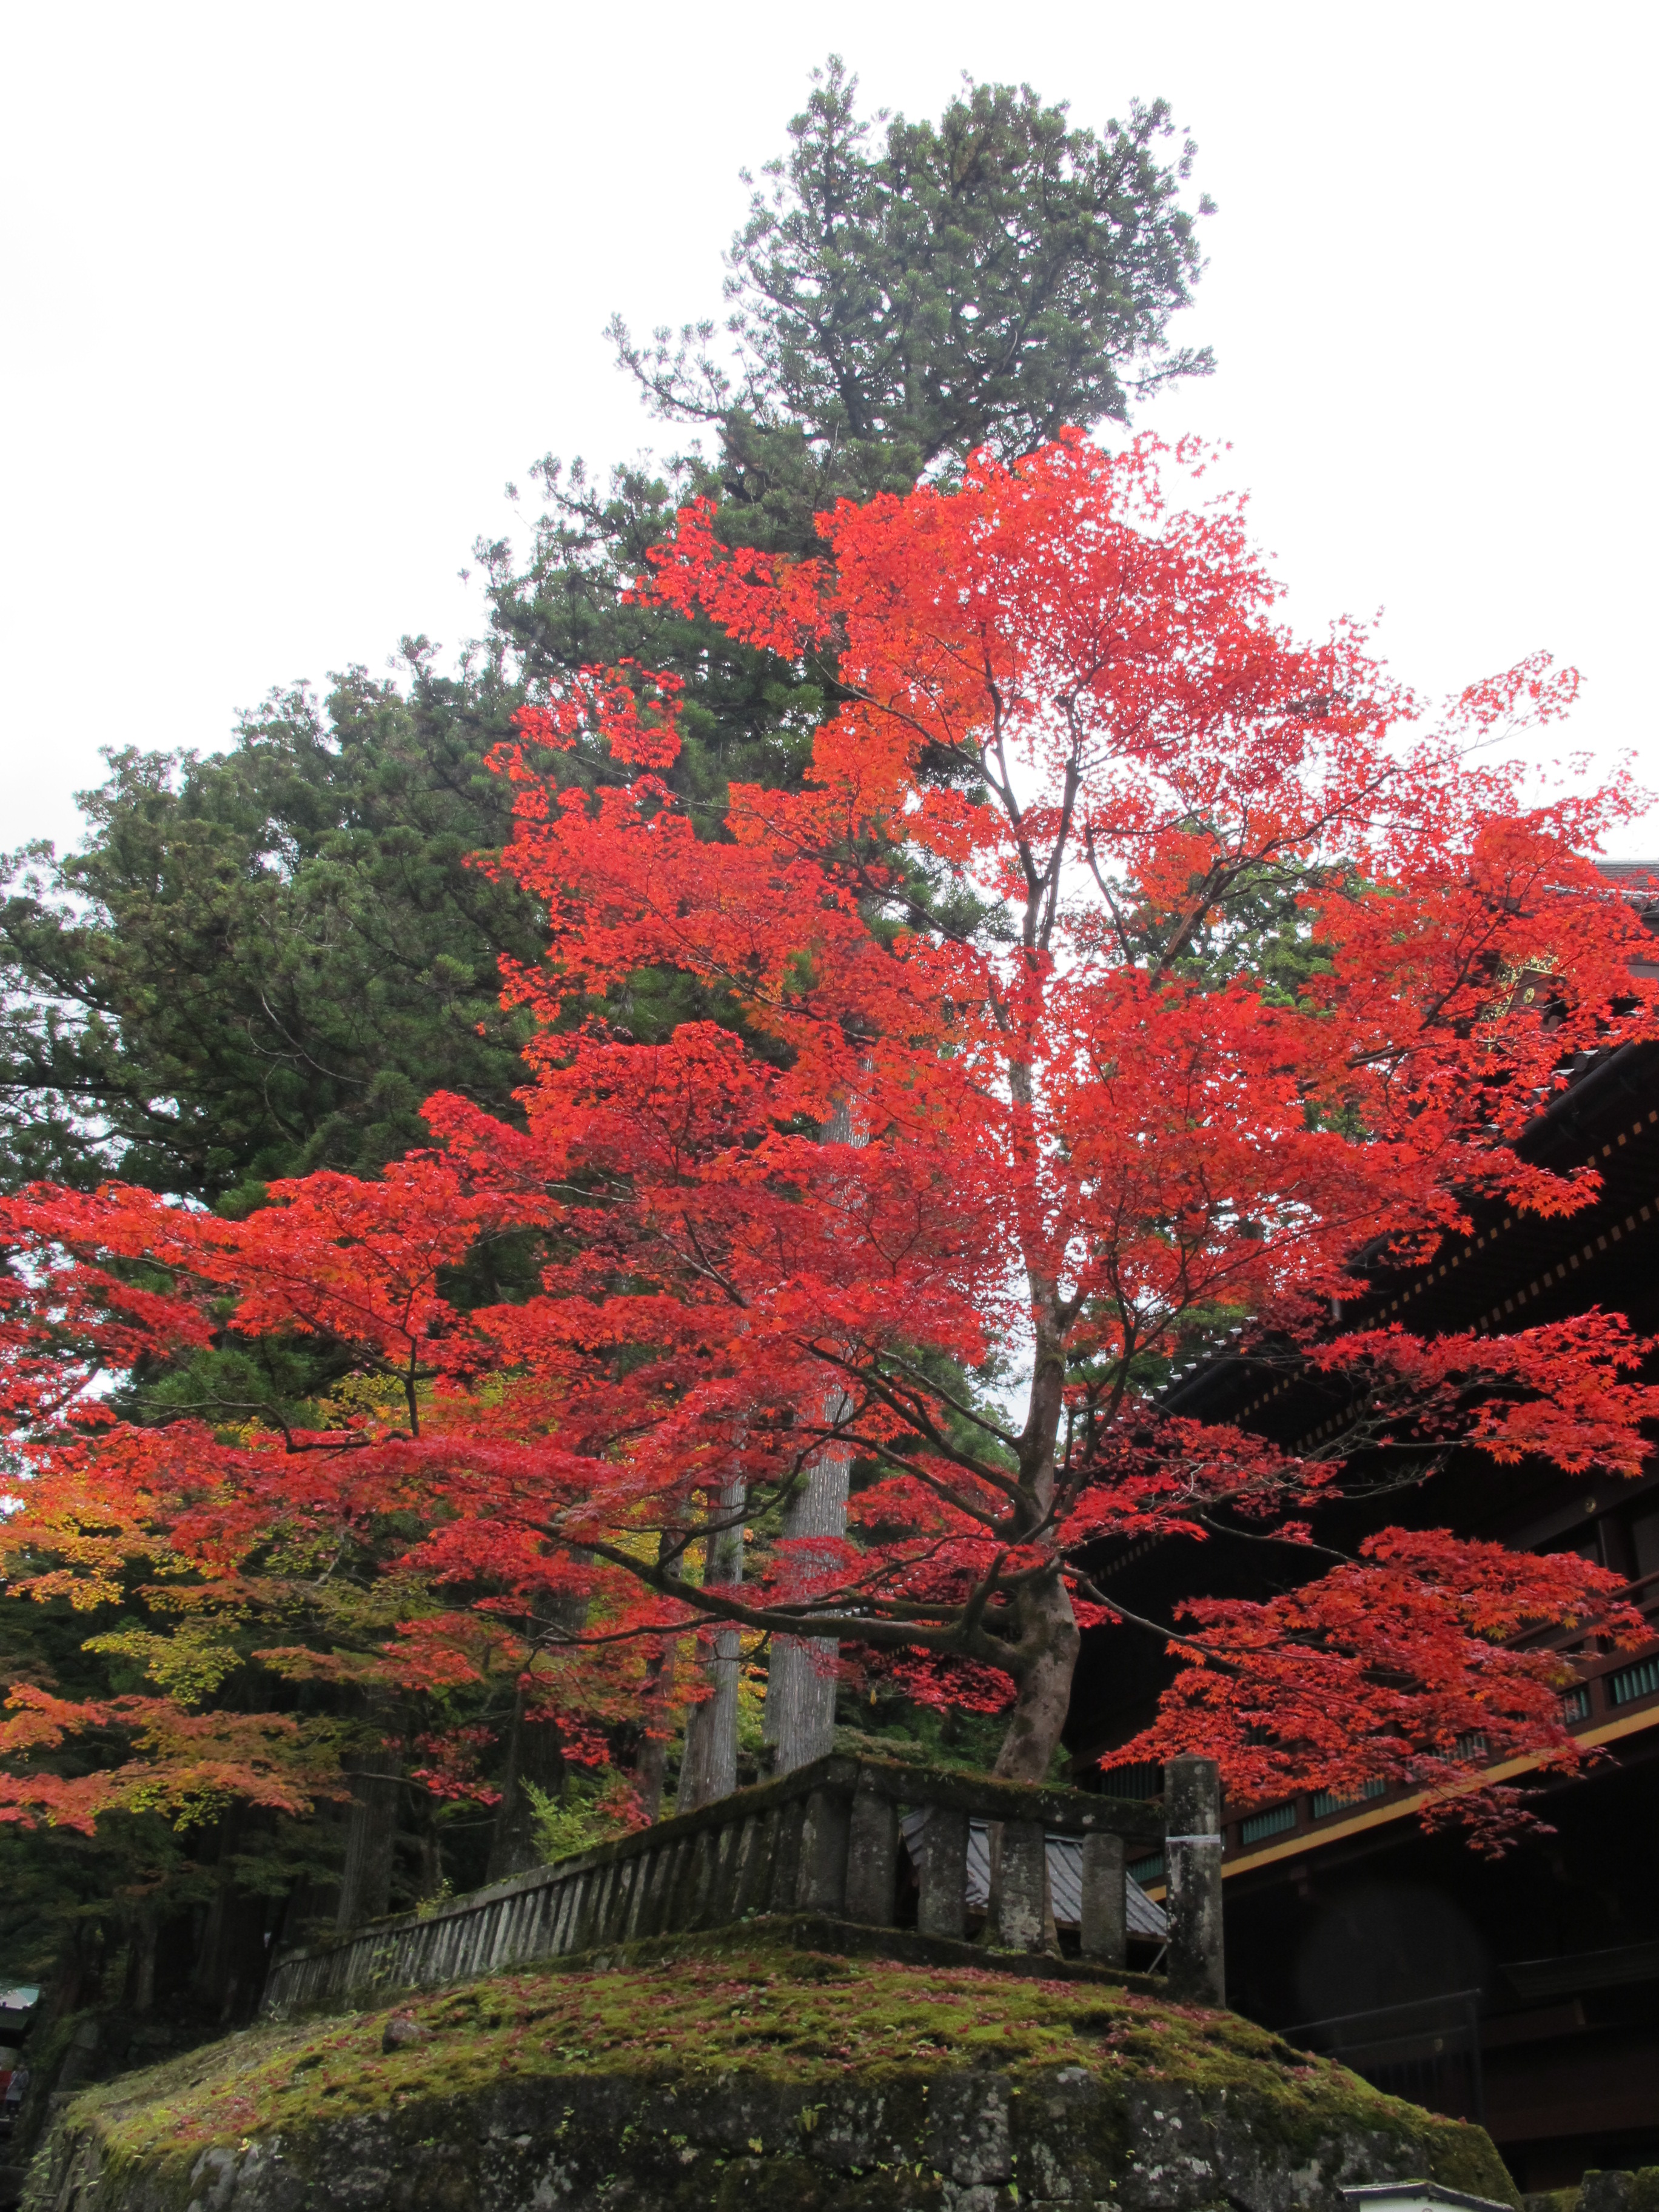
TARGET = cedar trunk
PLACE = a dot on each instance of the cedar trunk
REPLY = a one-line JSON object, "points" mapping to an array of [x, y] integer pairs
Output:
{"points": [[709, 1767]]}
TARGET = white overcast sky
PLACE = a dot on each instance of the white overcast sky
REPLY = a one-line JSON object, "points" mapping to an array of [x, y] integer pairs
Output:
{"points": [[289, 293]]}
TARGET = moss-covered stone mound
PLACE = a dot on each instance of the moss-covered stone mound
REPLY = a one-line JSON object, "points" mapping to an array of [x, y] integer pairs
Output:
{"points": [[765, 2077], [1636, 2188]]}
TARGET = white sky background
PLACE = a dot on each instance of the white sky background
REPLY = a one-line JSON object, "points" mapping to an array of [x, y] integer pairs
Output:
{"points": [[289, 293]]}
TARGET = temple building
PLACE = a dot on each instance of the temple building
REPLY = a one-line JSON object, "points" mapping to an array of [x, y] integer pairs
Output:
{"points": [[1522, 1991]]}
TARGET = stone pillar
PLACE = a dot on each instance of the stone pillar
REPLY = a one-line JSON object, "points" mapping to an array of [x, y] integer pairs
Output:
{"points": [[722, 1896], [942, 1908], [754, 1864], [821, 1882], [703, 1863], [1192, 1847], [872, 1860], [1016, 1892], [782, 1893], [1105, 1928]]}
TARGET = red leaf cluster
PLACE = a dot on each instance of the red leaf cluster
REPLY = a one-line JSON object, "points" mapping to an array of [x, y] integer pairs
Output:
{"points": [[1124, 967]]}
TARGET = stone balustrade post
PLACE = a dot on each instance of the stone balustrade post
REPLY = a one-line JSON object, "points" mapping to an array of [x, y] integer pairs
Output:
{"points": [[942, 1876], [1192, 1847], [1104, 1931], [872, 1860], [821, 1884], [1016, 1898]]}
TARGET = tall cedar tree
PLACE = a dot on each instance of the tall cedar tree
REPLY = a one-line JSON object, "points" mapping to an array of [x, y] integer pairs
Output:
{"points": [[1072, 740], [261, 961]]}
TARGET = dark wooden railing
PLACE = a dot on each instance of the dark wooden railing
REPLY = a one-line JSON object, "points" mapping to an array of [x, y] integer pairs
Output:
{"points": [[825, 1841], [1427, 2050]]}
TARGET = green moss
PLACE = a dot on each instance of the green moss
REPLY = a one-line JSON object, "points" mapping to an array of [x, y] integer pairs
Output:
{"points": [[786, 2016], [1463, 2158], [48, 2049], [1633, 2189]]}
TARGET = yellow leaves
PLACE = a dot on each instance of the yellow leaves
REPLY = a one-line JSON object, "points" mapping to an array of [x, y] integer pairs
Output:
{"points": [[357, 1399], [189, 1664], [85, 1591], [194, 1807], [637, 1543]]}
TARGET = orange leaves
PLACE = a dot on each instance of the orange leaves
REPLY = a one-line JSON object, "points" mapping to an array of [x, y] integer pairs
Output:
{"points": [[1071, 709], [187, 1766], [1169, 1478], [1058, 604], [92, 1288], [632, 711], [328, 1256], [769, 602], [668, 1111], [1534, 689], [1195, 1170]]}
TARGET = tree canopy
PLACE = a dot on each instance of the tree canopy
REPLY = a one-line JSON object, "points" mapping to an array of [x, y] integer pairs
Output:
{"points": [[260, 962], [969, 1087], [980, 281]]}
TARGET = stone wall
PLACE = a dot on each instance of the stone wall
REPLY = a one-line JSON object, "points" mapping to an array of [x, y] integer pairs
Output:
{"points": [[1634, 2189], [917, 2140]]}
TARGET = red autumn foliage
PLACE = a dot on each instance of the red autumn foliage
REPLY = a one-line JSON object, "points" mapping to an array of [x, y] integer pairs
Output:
{"points": [[1148, 964]]}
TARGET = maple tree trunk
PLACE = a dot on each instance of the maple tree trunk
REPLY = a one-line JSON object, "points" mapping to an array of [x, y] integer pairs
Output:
{"points": [[709, 1767], [1050, 1634], [1046, 1631]]}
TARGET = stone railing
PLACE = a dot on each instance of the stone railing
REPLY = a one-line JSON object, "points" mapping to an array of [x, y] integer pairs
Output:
{"points": [[823, 1841]]}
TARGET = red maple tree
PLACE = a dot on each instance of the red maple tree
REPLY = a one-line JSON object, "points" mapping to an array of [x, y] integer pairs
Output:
{"points": [[1124, 968]]}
